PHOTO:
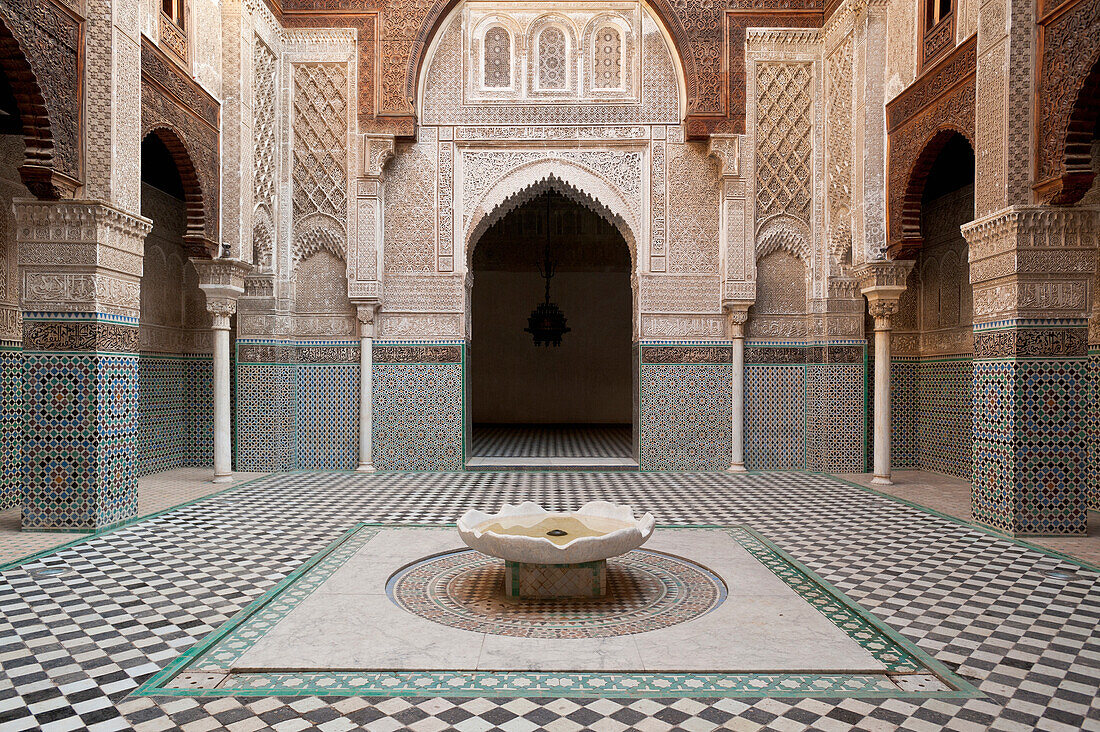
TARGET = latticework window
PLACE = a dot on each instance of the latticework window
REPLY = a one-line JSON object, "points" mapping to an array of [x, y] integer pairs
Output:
{"points": [[607, 65], [498, 59], [552, 59]]}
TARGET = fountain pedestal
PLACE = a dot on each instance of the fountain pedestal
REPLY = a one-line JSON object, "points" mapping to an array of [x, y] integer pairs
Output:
{"points": [[523, 580]]}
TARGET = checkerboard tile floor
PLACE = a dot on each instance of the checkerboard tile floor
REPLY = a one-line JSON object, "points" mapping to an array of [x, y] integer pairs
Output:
{"points": [[552, 440], [1022, 625]]}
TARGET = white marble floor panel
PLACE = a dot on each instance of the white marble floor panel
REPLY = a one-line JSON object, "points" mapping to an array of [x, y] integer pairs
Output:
{"points": [[350, 624]]}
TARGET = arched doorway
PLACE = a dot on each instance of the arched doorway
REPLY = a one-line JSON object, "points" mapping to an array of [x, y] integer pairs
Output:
{"points": [[933, 361], [175, 368], [551, 406]]}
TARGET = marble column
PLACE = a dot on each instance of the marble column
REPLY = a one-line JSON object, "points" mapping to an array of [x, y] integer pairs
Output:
{"points": [[882, 282], [882, 311], [735, 319], [366, 386], [222, 281]]}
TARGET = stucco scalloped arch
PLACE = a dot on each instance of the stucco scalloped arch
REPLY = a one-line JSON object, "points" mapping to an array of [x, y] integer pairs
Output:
{"points": [[784, 233], [582, 185]]}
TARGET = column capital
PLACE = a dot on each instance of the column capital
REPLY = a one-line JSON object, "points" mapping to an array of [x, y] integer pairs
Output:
{"points": [[882, 282], [222, 281], [727, 149], [737, 314], [376, 150], [366, 313]]}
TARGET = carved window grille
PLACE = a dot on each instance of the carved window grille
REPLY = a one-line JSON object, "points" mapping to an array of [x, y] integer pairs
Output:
{"points": [[552, 63], [607, 58], [497, 72], [173, 36], [937, 30]]}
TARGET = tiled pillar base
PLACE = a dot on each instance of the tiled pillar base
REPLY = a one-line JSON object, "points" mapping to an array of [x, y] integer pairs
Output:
{"points": [[533, 581], [1029, 429], [80, 390]]}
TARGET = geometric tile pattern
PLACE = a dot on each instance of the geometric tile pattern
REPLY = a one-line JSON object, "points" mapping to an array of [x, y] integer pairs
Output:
{"points": [[552, 440], [1017, 622], [80, 439], [945, 408], [835, 429], [904, 413], [644, 591], [328, 416], [266, 408], [175, 412], [684, 416], [418, 416], [1093, 422], [1029, 444], [775, 417], [11, 424]]}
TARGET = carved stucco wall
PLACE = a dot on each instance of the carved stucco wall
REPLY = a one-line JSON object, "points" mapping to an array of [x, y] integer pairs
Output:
{"points": [[621, 154], [11, 187]]}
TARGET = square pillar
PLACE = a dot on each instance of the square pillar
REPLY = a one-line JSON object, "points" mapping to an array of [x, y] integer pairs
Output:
{"points": [[80, 268], [1031, 268]]}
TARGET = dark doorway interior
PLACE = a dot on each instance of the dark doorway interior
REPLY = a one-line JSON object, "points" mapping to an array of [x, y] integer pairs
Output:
{"points": [[574, 400]]}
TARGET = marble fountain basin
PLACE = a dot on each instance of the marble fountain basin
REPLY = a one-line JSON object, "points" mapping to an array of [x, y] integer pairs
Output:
{"points": [[555, 554]]}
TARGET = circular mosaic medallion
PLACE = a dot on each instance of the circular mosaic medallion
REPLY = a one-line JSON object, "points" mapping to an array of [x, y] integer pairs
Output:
{"points": [[646, 591]]}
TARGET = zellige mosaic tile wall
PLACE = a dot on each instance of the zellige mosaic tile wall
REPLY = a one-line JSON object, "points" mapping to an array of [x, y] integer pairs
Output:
{"points": [[685, 407], [175, 412], [418, 406], [11, 423]]}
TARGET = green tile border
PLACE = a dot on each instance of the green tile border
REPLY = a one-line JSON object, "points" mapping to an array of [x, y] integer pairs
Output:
{"points": [[216, 653]]}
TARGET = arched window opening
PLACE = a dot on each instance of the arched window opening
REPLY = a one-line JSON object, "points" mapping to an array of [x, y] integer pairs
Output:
{"points": [[551, 59], [607, 63], [497, 59]]}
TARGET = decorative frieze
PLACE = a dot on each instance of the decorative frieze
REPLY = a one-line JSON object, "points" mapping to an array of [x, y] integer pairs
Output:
{"points": [[417, 354], [83, 336], [686, 354], [1037, 342]]}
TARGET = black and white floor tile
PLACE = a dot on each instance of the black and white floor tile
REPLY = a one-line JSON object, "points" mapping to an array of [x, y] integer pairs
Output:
{"points": [[552, 440], [1021, 625]]}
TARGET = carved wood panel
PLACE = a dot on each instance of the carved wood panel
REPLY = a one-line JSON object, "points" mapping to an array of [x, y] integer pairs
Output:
{"points": [[918, 122], [187, 119], [1068, 99], [40, 53]]}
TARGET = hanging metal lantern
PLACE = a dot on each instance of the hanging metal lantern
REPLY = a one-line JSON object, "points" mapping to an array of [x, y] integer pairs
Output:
{"points": [[547, 322]]}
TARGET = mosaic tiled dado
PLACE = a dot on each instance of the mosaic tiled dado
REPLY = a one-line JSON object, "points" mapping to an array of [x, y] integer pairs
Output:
{"points": [[210, 667], [1093, 420], [175, 412], [684, 410], [1030, 427], [419, 416], [835, 416], [11, 423], [775, 416], [328, 415], [81, 420], [266, 413], [945, 393], [904, 412]]}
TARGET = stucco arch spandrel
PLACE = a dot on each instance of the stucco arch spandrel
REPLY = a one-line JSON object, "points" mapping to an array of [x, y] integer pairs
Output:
{"points": [[585, 187], [435, 21]]}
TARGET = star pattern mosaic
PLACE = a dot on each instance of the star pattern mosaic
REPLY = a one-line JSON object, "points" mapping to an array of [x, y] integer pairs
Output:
{"points": [[1018, 623]]}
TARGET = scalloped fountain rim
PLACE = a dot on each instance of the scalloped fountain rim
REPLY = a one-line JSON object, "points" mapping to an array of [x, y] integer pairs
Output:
{"points": [[541, 550]]}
